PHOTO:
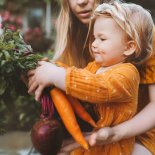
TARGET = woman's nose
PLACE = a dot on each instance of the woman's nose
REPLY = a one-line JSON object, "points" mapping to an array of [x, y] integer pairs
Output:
{"points": [[82, 2]]}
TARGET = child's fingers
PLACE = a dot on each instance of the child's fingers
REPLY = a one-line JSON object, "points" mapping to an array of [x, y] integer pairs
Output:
{"points": [[40, 63], [45, 59], [38, 92], [31, 73], [32, 87], [31, 80]]}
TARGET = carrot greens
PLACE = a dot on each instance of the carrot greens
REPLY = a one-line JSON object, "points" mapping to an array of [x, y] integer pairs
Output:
{"points": [[16, 58]]}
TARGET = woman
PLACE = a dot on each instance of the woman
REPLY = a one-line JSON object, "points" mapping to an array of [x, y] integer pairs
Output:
{"points": [[74, 17]]}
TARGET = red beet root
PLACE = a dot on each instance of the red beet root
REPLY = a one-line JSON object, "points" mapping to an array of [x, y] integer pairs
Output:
{"points": [[47, 136]]}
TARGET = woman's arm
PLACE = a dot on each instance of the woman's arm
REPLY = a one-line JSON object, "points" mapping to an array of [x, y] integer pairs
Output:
{"points": [[142, 122]]}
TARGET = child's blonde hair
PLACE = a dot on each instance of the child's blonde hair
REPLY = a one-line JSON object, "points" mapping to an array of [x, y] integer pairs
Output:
{"points": [[136, 22], [71, 36]]}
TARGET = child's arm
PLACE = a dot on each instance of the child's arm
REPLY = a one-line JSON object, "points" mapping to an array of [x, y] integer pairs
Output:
{"points": [[142, 122], [85, 85], [119, 84]]}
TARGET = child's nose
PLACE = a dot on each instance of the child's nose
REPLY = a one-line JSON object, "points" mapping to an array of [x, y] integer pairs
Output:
{"points": [[94, 44]]}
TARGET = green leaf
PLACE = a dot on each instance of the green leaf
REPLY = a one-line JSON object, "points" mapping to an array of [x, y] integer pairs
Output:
{"points": [[7, 55], [15, 58]]}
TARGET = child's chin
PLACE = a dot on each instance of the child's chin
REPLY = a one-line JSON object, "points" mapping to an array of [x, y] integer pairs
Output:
{"points": [[98, 62]]}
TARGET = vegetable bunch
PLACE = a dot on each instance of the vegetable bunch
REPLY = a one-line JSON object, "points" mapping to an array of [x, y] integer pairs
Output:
{"points": [[16, 58]]}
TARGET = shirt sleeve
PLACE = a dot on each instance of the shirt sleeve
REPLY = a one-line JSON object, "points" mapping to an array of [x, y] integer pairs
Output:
{"points": [[147, 71], [118, 85]]}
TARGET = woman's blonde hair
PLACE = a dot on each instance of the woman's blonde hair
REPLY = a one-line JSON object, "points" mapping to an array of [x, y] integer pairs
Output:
{"points": [[135, 21], [71, 36]]}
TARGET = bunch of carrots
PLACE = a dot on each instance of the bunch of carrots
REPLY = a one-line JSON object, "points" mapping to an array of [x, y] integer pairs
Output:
{"points": [[66, 106]]}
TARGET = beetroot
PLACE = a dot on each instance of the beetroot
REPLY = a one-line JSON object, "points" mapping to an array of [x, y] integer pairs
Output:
{"points": [[47, 134]]}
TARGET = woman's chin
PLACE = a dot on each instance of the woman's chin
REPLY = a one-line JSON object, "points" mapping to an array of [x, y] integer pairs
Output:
{"points": [[85, 21]]}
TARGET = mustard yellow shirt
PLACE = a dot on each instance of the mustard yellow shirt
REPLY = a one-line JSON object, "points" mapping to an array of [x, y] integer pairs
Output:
{"points": [[147, 75], [114, 94]]}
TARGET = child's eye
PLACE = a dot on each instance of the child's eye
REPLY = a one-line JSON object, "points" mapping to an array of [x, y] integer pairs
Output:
{"points": [[102, 39]]}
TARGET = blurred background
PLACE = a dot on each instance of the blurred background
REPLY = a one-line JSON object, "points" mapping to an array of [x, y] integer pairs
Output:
{"points": [[36, 19]]}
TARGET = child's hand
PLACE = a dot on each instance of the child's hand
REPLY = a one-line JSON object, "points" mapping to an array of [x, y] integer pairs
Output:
{"points": [[103, 136], [45, 59], [40, 78]]}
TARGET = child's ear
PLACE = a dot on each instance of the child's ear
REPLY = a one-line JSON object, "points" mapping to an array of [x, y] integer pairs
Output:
{"points": [[130, 48]]}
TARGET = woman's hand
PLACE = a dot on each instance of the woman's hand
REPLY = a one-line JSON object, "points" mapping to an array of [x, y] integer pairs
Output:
{"points": [[69, 145], [102, 136]]}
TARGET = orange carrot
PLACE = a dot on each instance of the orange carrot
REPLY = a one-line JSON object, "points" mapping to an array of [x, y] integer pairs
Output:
{"points": [[67, 115], [80, 111]]}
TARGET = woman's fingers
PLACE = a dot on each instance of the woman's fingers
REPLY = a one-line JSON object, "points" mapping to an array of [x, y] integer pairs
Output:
{"points": [[92, 139], [70, 144], [67, 142], [70, 147], [102, 136]]}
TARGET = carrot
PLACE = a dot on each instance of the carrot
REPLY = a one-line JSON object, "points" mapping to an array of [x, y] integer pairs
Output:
{"points": [[80, 111], [67, 115]]}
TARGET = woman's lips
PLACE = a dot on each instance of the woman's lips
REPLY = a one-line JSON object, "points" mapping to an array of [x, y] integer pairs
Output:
{"points": [[85, 14]]}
